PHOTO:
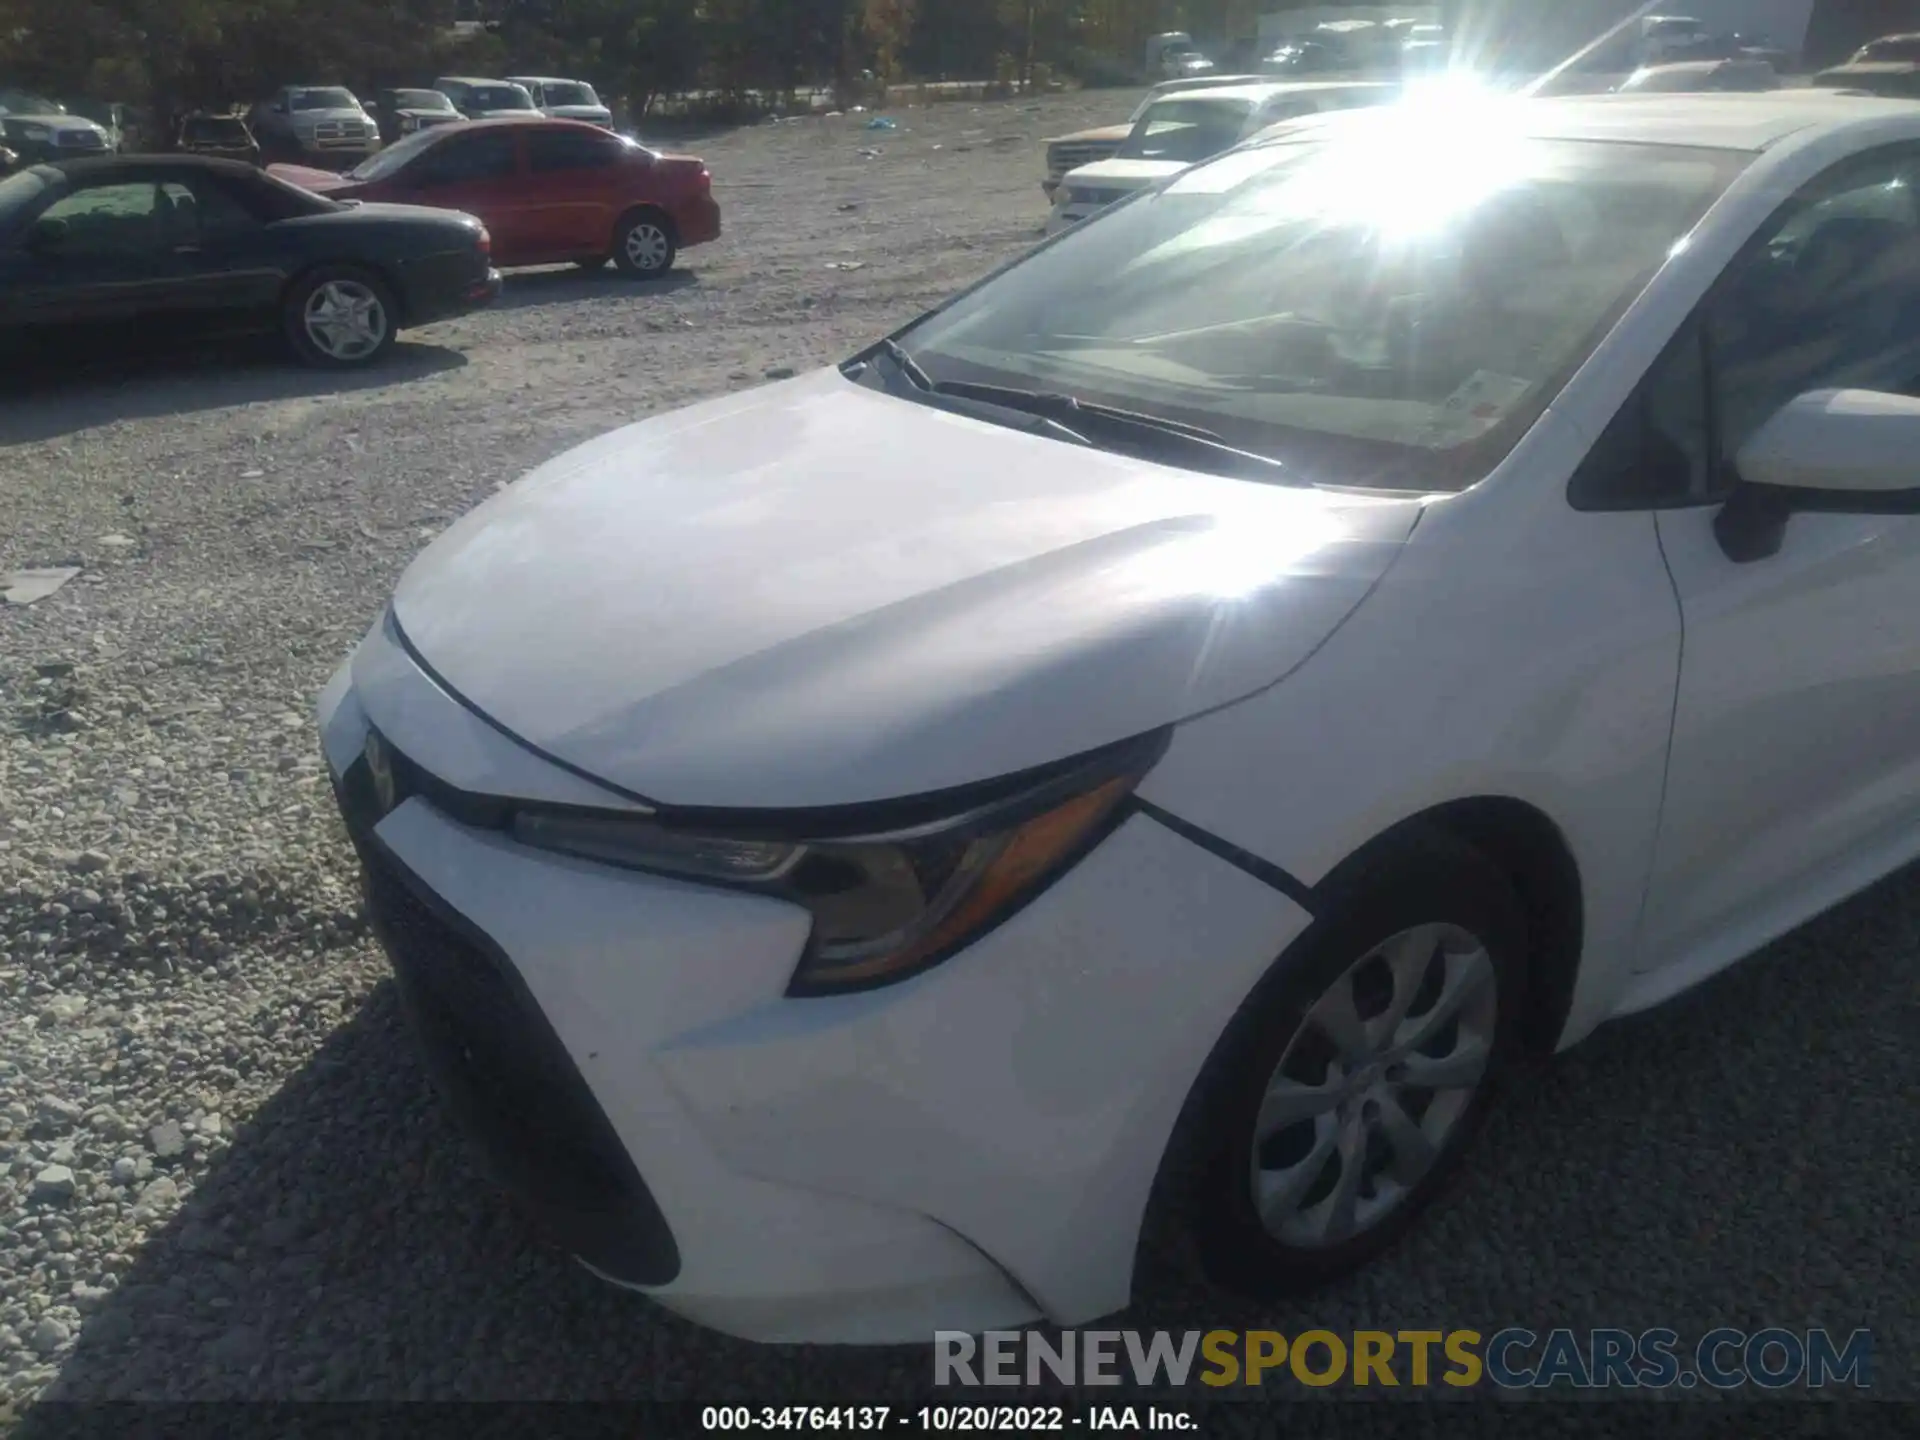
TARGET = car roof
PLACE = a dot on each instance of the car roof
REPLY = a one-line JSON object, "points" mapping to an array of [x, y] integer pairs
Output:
{"points": [[544, 80], [473, 80], [135, 166], [529, 119], [1731, 121], [1255, 94]]}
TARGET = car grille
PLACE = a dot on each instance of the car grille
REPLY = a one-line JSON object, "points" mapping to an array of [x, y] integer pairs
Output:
{"points": [[1071, 155], [341, 132], [502, 1071], [80, 140]]}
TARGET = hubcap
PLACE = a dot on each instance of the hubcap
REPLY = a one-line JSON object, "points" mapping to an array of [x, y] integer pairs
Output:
{"points": [[1376, 1079], [647, 246], [345, 319]]}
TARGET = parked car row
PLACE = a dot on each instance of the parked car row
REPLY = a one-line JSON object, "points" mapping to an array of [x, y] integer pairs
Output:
{"points": [[327, 124], [1182, 129], [192, 246]]}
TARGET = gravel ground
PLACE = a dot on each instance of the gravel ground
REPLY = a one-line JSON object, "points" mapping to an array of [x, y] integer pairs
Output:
{"points": [[221, 1173]]}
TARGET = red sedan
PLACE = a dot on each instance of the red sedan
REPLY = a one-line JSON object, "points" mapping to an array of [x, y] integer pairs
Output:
{"points": [[549, 191]]}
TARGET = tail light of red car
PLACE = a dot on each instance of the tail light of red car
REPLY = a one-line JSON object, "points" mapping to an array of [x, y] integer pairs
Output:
{"points": [[483, 241]]}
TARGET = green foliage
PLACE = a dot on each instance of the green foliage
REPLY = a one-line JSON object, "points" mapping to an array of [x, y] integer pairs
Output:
{"points": [[173, 55]]}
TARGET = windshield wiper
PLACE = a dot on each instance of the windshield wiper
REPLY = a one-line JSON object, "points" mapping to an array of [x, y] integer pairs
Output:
{"points": [[906, 364], [1158, 437], [927, 385]]}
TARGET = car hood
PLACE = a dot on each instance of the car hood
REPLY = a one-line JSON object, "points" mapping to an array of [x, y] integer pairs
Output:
{"points": [[1125, 174], [56, 122], [1113, 134], [814, 594], [597, 114]]}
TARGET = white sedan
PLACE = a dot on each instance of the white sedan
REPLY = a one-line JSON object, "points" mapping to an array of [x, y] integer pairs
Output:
{"points": [[1150, 743]]}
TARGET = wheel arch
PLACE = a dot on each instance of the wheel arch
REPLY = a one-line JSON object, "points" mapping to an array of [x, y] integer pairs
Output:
{"points": [[384, 273], [649, 208], [1533, 852]]}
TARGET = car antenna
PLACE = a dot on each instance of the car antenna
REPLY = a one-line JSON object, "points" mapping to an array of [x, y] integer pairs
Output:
{"points": [[1533, 87]]}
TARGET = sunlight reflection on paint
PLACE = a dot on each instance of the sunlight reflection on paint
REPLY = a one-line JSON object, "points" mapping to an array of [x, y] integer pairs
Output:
{"points": [[1238, 556]]}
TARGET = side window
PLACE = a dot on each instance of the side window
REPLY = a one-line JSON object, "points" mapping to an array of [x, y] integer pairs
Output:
{"points": [[467, 160], [108, 220], [562, 149], [204, 211], [1829, 298]]}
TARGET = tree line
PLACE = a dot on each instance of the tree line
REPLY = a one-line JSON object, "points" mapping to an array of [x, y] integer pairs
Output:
{"points": [[172, 55]]}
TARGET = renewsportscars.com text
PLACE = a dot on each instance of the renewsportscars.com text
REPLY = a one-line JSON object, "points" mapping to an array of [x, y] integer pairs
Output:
{"points": [[1511, 1358]]}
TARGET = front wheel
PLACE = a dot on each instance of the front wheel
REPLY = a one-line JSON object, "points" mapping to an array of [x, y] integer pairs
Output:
{"points": [[340, 317], [1343, 1095], [644, 247]]}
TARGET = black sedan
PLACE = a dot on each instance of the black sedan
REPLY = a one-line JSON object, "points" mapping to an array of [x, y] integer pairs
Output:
{"points": [[113, 252]]}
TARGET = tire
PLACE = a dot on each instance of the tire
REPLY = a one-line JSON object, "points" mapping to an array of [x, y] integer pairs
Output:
{"points": [[644, 245], [369, 317], [1418, 886]]}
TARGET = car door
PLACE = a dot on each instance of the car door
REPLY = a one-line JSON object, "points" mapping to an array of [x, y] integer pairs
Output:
{"points": [[479, 173], [1794, 774], [91, 264], [571, 191], [229, 276]]}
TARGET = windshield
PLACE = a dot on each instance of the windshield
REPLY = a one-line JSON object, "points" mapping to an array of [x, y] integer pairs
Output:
{"points": [[1390, 315], [1185, 130], [1905, 48], [569, 92], [19, 102], [333, 99], [378, 167], [420, 100], [498, 97]]}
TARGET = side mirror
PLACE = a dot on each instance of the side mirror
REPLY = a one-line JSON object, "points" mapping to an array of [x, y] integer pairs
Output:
{"points": [[48, 237], [1847, 451]]}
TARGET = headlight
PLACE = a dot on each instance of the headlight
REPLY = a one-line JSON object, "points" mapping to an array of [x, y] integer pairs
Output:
{"points": [[887, 902]]}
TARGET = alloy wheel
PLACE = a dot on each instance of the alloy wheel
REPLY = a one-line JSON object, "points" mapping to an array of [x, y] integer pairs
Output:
{"points": [[345, 320], [1382, 1069]]}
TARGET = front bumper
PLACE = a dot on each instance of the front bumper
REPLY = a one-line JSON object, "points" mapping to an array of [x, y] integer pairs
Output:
{"points": [[970, 1149], [448, 286], [697, 221]]}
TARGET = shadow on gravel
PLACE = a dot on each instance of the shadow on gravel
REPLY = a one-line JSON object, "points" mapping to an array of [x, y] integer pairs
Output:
{"points": [[345, 1249], [67, 399], [1741, 1158], [572, 285]]}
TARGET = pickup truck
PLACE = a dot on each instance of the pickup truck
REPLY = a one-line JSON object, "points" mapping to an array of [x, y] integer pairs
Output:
{"points": [[321, 125]]}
